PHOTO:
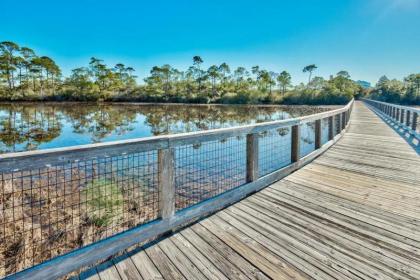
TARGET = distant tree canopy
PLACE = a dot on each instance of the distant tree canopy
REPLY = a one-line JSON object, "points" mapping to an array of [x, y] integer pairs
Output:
{"points": [[395, 91], [24, 75]]}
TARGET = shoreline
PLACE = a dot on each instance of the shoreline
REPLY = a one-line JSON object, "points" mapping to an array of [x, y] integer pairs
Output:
{"points": [[135, 103]]}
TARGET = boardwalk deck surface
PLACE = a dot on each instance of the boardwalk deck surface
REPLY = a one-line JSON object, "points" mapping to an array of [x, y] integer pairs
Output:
{"points": [[353, 213]]}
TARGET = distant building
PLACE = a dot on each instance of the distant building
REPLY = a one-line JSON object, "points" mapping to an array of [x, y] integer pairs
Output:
{"points": [[364, 84]]}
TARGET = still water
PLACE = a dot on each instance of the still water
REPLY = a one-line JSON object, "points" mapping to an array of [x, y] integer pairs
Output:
{"points": [[32, 126]]}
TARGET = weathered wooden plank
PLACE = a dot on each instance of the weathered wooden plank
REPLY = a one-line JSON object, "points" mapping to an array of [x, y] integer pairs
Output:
{"points": [[229, 262], [318, 134], [145, 266], [107, 271], [198, 258], [163, 263], [177, 257], [295, 148], [252, 251], [166, 166], [252, 157], [333, 238], [126, 268], [352, 239], [330, 128]]}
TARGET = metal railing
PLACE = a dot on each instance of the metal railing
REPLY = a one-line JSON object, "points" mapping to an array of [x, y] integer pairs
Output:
{"points": [[406, 117], [63, 209]]}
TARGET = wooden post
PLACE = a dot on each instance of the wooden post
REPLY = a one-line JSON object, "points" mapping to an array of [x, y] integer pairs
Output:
{"points": [[295, 143], [166, 165], [402, 116], [252, 157], [397, 116], [318, 134], [407, 119], [338, 117], [343, 121], [330, 128], [414, 122]]}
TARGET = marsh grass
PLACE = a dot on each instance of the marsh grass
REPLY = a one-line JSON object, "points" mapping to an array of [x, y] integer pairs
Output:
{"points": [[104, 201], [47, 215]]}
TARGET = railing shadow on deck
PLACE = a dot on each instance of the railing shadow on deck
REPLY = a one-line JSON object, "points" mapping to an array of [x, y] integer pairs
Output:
{"points": [[68, 208], [403, 123]]}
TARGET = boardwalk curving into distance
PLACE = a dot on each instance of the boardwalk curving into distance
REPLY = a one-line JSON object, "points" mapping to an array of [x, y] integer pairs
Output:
{"points": [[353, 213]]}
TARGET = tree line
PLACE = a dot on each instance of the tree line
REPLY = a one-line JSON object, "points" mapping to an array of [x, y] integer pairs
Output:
{"points": [[406, 91], [24, 75]]}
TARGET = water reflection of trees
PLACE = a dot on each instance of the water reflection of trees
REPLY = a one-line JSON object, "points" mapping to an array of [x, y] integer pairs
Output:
{"points": [[29, 125], [177, 119], [100, 121]]}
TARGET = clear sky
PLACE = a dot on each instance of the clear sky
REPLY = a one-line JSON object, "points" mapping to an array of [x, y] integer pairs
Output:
{"points": [[368, 38]]}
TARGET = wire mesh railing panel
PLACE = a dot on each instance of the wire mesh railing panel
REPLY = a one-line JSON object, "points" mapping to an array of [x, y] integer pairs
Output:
{"points": [[274, 150], [206, 170], [307, 139], [324, 131], [50, 211]]}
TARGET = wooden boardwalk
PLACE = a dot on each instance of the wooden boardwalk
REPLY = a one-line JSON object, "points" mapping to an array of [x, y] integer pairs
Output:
{"points": [[353, 213]]}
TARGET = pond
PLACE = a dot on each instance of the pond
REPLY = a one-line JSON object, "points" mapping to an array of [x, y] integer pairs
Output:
{"points": [[32, 126], [54, 209]]}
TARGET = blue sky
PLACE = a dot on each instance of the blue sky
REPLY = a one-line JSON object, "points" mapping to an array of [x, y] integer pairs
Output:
{"points": [[368, 38]]}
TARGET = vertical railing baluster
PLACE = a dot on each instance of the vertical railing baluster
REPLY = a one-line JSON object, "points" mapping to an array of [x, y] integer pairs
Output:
{"points": [[402, 116], [295, 155], [343, 121], [318, 134], [252, 169], [166, 166]]}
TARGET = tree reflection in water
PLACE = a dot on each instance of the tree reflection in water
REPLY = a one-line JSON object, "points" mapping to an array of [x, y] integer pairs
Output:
{"points": [[31, 126]]}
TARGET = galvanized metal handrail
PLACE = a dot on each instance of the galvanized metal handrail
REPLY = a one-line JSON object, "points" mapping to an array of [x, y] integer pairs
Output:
{"points": [[170, 219]]}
